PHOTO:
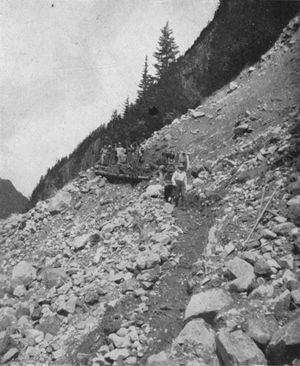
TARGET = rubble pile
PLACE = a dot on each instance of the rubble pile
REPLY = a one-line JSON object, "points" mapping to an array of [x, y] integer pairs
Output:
{"points": [[67, 260], [245, 305]]}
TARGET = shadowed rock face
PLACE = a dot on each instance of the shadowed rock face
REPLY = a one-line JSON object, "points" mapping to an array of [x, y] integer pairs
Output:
{"points": [[11, 201]]}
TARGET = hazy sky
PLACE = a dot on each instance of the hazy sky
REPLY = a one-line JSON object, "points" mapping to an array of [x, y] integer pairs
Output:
{"points": [[65, 65]]}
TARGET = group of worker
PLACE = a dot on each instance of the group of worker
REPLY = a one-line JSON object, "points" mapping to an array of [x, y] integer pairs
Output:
{"points": [[118, 154], [173, 177]]}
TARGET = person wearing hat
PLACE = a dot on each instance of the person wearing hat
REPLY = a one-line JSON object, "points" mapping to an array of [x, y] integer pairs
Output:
{"points": [[165, 176], [179, 180]]}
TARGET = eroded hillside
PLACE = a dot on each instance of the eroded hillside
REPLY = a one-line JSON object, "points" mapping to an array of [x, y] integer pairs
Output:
{"points": [[238, 35], [110, 274]]}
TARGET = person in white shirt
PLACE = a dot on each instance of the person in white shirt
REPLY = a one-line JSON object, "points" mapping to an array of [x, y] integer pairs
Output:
{"points": [[179, 180]]}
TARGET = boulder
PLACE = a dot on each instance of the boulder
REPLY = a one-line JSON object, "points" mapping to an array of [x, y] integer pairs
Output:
{"points": [[6, 342], [9, 355], [160, 359], [65, 305], [284, 228], [296, 297], [116, 354], [262, 292], [80, 242], [54, 277], [260, 328], [261, 267], [242, 271], [237, 267], [286, 261], [236, 348], [197, 338], [120, 342], [154, 190], [23, 274], [294, 210], [59, 202], [285, 343], [206, 304]]}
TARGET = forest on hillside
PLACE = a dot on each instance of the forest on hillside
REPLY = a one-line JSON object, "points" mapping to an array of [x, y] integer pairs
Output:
{"points": [[236, 37]]}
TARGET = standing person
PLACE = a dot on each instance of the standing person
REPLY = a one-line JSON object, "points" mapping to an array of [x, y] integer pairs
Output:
{"points": [[165, 179], [184, 159], [179, 180], [103, 157]]}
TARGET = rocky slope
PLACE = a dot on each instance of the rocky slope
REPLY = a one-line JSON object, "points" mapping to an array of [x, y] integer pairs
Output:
{"points": [[11, 201], [237, 36], [106, 274]]}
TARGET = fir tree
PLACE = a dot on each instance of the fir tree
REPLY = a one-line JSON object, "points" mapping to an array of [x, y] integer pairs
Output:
{"points": [[146, 81], [166, 51], [126, 107]]}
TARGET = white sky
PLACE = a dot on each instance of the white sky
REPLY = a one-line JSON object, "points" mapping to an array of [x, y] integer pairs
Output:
{"points": [[64, 68]]}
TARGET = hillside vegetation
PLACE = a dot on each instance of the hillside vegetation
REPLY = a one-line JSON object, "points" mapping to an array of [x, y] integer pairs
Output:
{"points": [[11, 201], [239, 34]]}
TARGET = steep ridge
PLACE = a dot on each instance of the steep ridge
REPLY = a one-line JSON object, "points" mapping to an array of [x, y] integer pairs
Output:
{"points": [[237, 36], [105, 274], [11, 201]]}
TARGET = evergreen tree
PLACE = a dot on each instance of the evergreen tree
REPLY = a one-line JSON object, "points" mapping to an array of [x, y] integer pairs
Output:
{"points": [[126, 107], [146, 81], [166, 51]]}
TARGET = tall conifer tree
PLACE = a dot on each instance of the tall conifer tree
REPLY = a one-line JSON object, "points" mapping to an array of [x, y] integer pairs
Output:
{"points": [[166, 51], [146, 81]]}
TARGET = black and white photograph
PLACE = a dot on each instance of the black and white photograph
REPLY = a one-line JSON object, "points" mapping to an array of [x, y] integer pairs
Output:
{"points": [[150, 182]]}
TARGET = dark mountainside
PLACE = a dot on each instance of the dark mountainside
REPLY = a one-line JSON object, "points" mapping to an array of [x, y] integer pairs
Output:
{"points": [[11, 201], [239, 34]]}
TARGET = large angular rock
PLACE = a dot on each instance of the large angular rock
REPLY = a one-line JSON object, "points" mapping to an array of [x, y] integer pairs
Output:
{"points": [[206, 304], [82, 241], [261, 328], [60, 201], [294, 210], [23, 274], [116, 354], [197, 338], [160, 359], [237, 267], [284, 228], [54, 277], [243, 273], [261, 267], [285, 343], [238, 349], [154, 190], [9, 355]]}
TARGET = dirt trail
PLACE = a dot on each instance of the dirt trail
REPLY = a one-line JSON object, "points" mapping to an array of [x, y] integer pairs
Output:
{"points": [[169, 297], [166, 308]]}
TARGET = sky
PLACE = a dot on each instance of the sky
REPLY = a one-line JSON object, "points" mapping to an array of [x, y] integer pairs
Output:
{"points": [[65, 65]]}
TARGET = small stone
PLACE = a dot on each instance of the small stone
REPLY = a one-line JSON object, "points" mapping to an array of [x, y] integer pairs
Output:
{"points": [[9, 355], [262, 292], [20, 291], [284, 229], [287, 261], [296, 296], [229, 248], [268, 234], [261, 267], [114, 355]]}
